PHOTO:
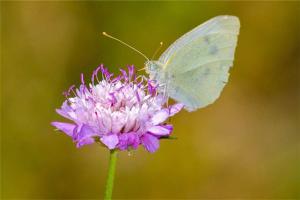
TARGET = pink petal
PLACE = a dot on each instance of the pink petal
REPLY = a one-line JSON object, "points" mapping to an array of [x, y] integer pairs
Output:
{"points": [[150, 142], [127, 140], [110, 141], [175, 108], [85, 141], [65, 127], [160, 117], [160, 130], [64, 110], [83, 135], [83, 131]]}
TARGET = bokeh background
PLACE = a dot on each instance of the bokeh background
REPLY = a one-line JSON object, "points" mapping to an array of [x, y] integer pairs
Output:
{"points": [[246, 145]]}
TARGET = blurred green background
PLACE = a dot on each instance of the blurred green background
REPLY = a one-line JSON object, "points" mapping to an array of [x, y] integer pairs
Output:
{"points": [[246, 145]]}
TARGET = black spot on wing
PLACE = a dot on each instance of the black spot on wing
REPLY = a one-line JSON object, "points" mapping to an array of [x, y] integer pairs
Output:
{"points": [[206, 40], [213, 50], [206, 72]]}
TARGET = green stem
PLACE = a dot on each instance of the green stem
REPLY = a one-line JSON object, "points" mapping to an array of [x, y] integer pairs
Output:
{"points": [[111, 175]]}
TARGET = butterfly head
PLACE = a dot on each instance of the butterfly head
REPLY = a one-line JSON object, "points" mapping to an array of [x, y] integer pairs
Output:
{"points": [[152, 68]]}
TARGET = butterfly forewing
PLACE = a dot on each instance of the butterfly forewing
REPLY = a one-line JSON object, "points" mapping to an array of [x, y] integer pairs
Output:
{"points": [[197, 64]]}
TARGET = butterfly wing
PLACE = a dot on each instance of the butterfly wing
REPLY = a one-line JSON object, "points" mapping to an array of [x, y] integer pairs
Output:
{"points": [[196, 65]]}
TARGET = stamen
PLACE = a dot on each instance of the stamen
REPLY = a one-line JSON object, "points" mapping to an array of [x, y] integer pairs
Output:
{"points": [[65, 94], [130, 72], [124, 75], [71, 89], [137, 96], [96, 73], [82, 78], [114, 99], [118, 78]]}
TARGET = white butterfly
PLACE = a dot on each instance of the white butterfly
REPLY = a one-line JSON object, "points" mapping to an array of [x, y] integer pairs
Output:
{"points": [[194, 69]]}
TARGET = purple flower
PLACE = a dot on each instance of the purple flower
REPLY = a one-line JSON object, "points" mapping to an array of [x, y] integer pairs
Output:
{"points": [[121, 112]]}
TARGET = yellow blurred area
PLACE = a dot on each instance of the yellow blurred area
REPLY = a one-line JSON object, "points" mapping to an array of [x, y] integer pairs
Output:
{"points": [[246, 145]]}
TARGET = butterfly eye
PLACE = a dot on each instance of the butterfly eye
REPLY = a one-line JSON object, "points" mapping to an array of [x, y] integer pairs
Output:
{"points": [[153, 67], [150, 67]]}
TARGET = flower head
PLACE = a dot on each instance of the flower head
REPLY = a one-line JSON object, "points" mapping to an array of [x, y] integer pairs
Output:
{"points": [[122, 112]]}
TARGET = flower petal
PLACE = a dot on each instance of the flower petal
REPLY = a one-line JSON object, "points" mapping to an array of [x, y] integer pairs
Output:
{"points": [[83, 135], [160, 130], [150, 142], [65, 110], [119, 121], [65, 127], [83, 131], [85, 141], [160, 116], [131, 120], [175, 108], [169, 127], [127, 140], [110, 141]]}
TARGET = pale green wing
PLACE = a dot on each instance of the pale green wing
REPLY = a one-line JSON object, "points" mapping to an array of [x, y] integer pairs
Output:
{"points": [[196, 65]]}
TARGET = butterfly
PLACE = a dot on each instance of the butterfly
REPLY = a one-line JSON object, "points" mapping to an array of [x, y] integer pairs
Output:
{"points": [[195, 68]]}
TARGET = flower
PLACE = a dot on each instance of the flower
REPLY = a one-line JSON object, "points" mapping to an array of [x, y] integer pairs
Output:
{"points": [[122, 112]]}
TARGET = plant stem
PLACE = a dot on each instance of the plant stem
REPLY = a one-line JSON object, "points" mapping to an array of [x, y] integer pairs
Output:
{"points": [[111, 175]]}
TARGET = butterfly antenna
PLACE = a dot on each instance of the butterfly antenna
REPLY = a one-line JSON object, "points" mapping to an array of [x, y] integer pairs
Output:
{"points": [[134, 49], [157, 50]]}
